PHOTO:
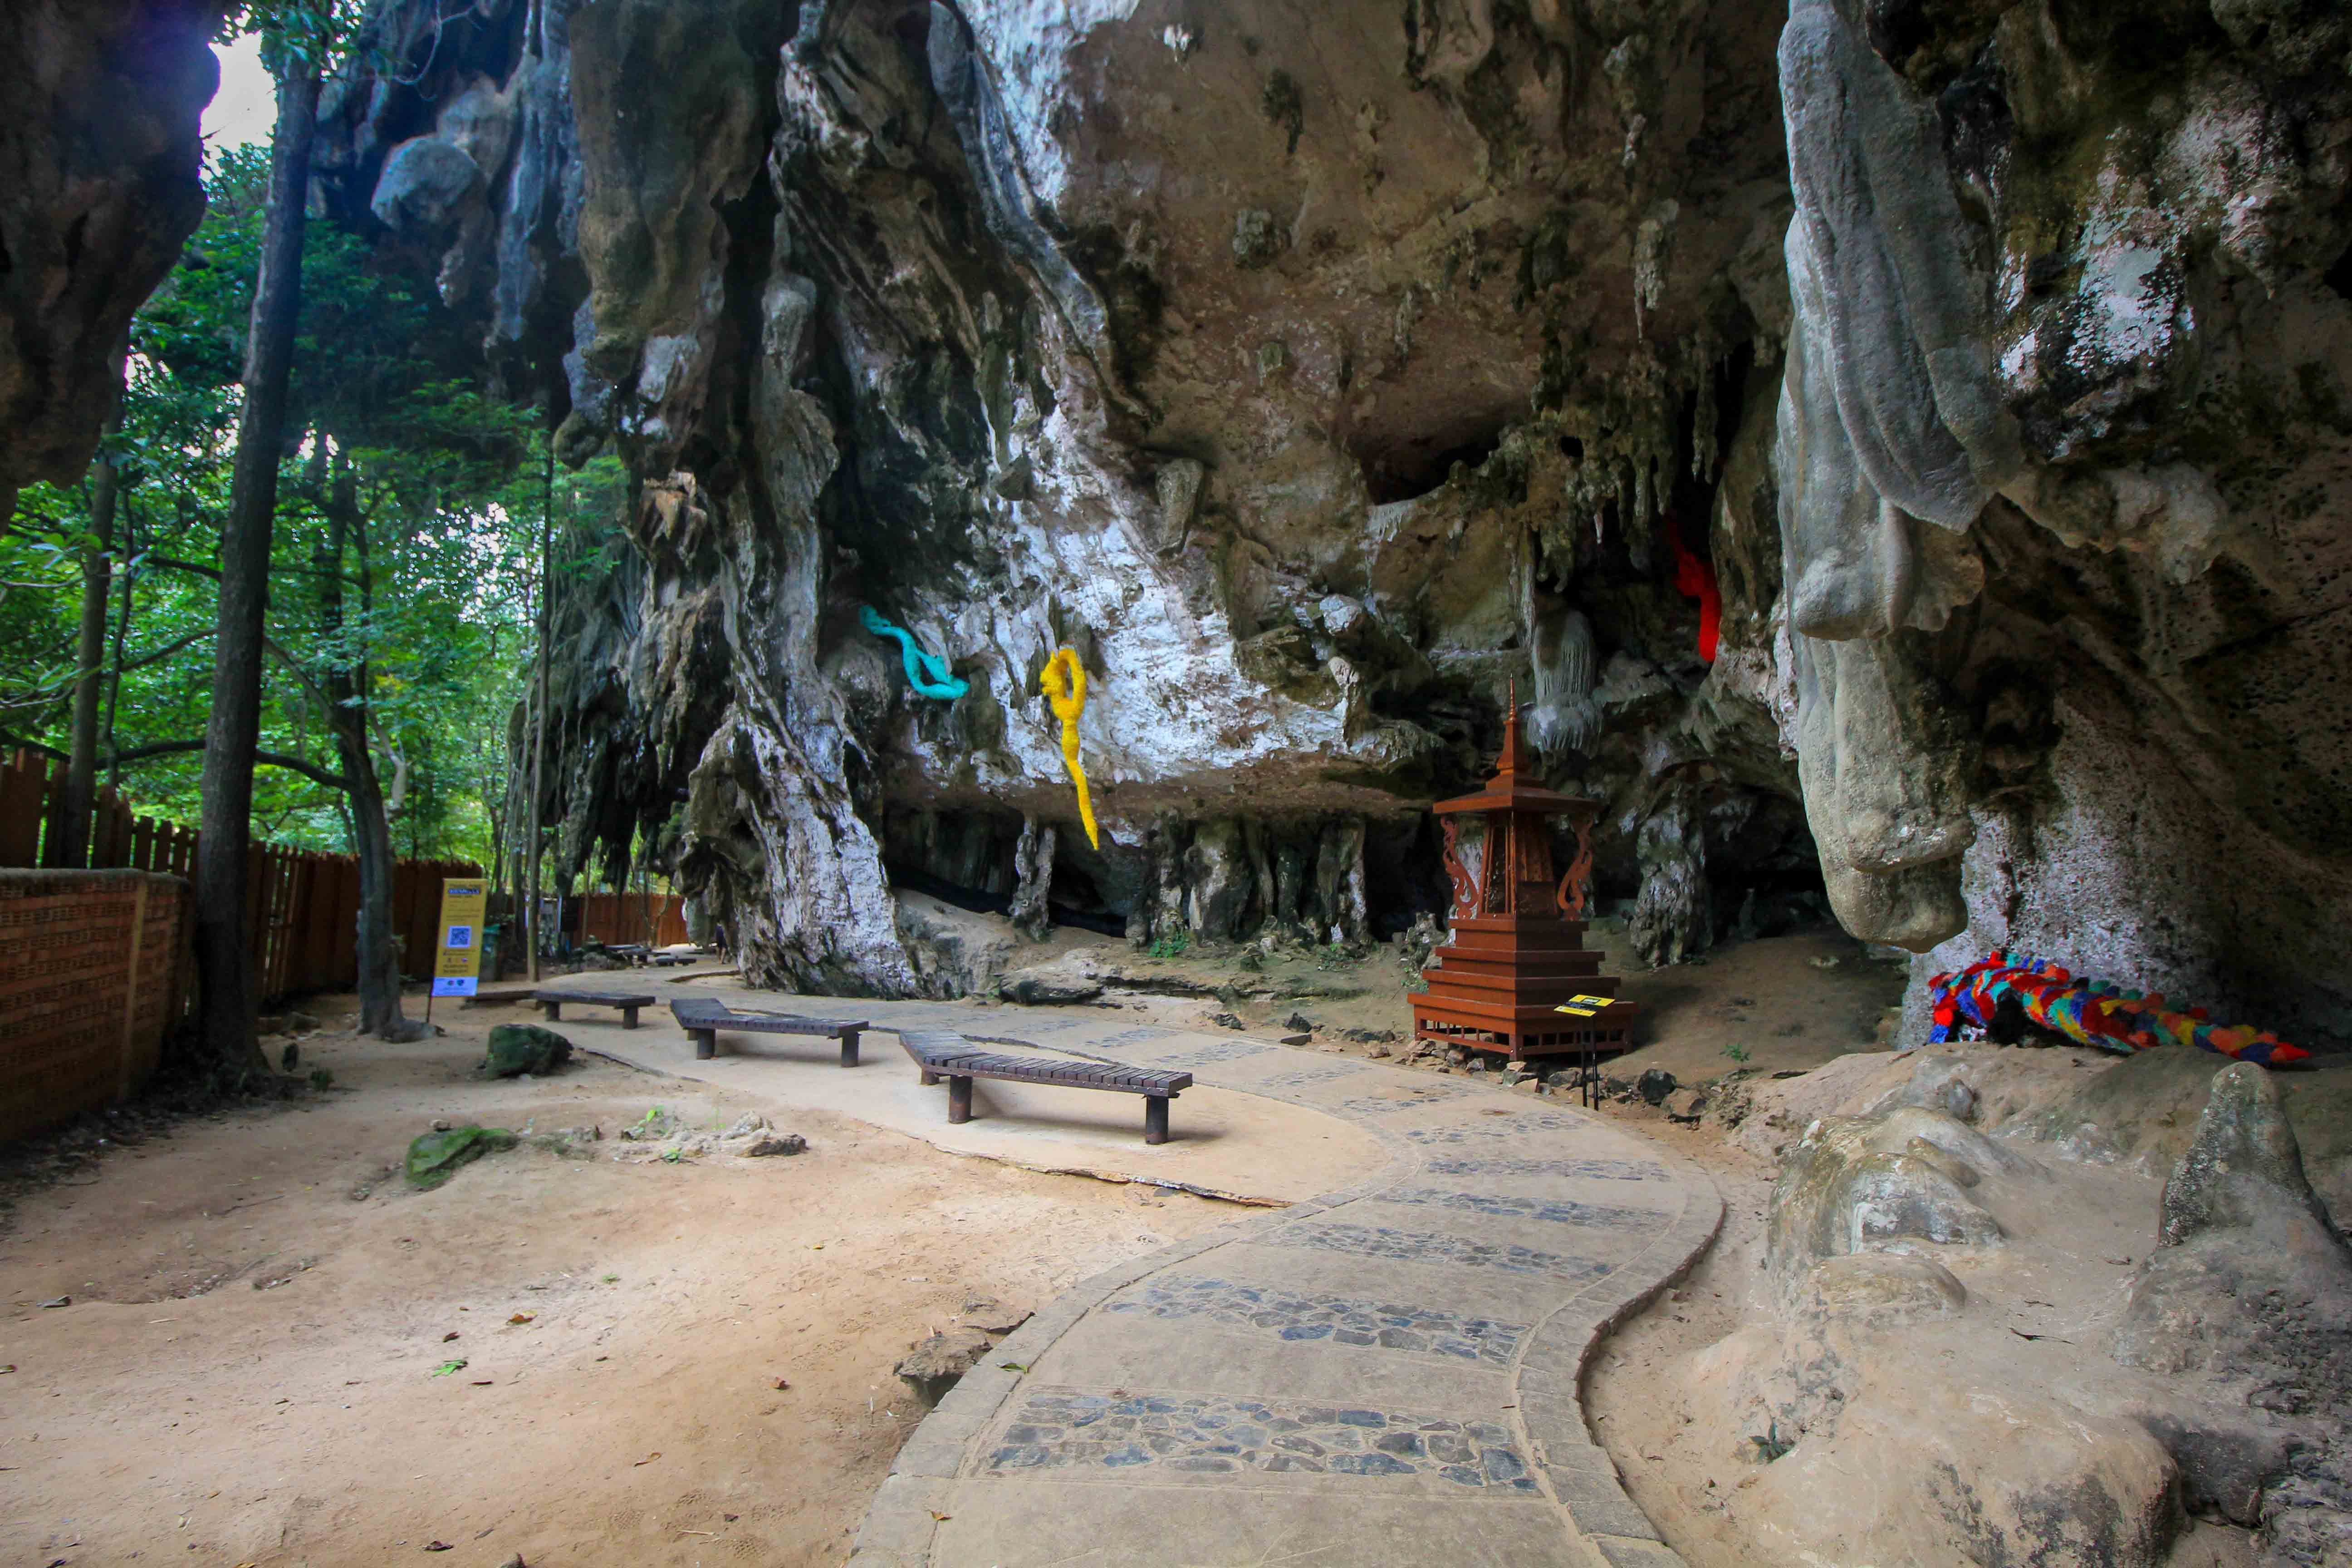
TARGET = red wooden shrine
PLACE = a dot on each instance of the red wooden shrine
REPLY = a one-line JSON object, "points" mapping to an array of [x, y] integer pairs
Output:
{"points": [[1518, 942]]}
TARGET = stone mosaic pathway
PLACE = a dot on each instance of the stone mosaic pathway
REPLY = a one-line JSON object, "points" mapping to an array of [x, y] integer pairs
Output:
{"points": [[1387, 1374]]}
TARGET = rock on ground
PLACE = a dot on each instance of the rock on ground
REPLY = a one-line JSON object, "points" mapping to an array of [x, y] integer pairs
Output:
{"points": [[514, 1049]]}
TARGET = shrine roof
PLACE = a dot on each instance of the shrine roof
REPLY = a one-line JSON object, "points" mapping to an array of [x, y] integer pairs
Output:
{"points": [[1514, 786]]}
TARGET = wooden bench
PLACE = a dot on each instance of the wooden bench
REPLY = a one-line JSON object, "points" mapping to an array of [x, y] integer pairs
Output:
{"points": [[553, 1001], [704, 1017], [958, 1060], [500, 998]]}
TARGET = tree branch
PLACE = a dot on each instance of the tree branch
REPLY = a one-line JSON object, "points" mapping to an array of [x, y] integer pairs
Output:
{"points": [[176, 564], [167, 650], [309, 769]]}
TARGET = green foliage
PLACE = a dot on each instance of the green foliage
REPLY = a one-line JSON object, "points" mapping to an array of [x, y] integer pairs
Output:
{"points": [[1173, 945], [406, 551], [1736, 1051]]}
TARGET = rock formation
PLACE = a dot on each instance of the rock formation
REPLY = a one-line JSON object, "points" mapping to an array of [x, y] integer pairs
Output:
{"points": [[2250, 1293], [98, 186], [1937, 1374], [1316, 377]]}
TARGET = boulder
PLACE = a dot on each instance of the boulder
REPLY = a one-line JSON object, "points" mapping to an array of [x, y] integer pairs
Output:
{"points": [[790, 1143], [1654, 1085], [1882, 1289], [1064, 982], [434, 1157], [991, 1316], [1886, 1183], [2244, 1165], [423, 180], [2251, 1289], [955, 952], [515, 1048], [2251, 1281], [938, 1363], [1916, 1467]]}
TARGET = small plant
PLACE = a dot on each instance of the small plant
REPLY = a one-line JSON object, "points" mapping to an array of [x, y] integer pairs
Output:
{"points": [[612, 1280], [673, 1156], [1736, 1051], [1173, 945], [1771, 1446], [1416, 983], [322, 1079]]}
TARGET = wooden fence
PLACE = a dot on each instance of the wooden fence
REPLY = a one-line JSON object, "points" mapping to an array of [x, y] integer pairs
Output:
{"points": [[301, 905], [618, 918]]}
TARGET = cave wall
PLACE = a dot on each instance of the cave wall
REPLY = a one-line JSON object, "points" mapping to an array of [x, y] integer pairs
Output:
{"points": [[1321, 379], [1313, 377], [100, 184], [2062, 445]]}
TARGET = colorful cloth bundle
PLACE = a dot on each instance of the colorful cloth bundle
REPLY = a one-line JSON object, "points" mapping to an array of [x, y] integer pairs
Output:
{"points": [[2089, 1012]]}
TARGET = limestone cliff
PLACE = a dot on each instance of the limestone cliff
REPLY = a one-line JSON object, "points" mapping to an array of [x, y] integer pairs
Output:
{"points": [[98, 187], [1315, 378], [1317, 375]]}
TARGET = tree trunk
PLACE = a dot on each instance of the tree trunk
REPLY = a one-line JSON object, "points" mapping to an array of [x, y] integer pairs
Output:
{"points": [[114, 686], [234, 728], [346, 686], [89, 657], [539, 733]]}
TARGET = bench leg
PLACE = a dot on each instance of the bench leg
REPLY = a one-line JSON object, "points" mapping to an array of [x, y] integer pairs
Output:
{"points": [[1155, 1118], [706, 1044], [849, 1048], [628, 1017], [959, 1101], [554, 1010], [930, 1078]]}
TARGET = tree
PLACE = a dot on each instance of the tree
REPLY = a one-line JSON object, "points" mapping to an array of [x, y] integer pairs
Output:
{"points": [[234, 728], [98, 584], [392, 618]]}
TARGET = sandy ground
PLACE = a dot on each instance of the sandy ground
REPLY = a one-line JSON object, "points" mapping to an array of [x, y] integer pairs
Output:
{"points": [[1778, 1004], [245, 1373]]}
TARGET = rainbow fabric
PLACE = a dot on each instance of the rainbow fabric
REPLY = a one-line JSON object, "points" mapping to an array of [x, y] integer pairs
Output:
{"points": [[2089, 1012]]}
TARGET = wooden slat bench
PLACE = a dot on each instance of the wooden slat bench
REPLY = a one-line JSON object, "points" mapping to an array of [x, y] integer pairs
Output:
{"points": [[940, 1055], [704, 1017], [501, 997], [553, 1001]]}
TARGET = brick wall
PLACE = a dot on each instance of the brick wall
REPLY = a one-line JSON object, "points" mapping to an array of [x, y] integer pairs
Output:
{"points": [[94, 972]]}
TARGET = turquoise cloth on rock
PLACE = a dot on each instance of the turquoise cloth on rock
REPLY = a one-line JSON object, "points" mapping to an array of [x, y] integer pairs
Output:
{"points": [[928, 676]]}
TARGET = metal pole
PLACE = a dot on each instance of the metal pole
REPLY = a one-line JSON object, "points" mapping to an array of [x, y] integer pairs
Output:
{"points": [[539, 737]]}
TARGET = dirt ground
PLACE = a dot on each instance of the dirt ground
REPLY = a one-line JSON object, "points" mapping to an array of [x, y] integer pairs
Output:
{"points": [[246, 1371], [1775, 1005]]}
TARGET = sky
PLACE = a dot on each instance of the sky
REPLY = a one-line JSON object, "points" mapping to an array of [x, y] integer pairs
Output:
{"points": [[245, 107]]}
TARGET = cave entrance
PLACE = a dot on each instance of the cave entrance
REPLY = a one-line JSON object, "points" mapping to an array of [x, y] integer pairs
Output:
{"points": [[1075, 900], [1404, 874]]}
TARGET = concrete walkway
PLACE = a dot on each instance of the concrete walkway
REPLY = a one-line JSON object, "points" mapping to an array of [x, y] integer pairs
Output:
{"points": [[1385, 1374]]}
